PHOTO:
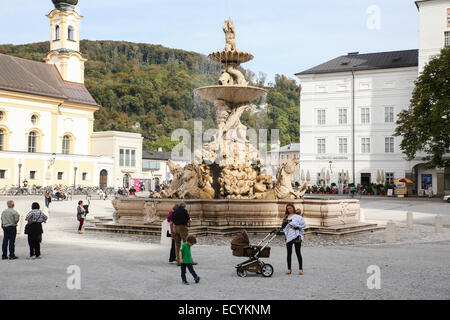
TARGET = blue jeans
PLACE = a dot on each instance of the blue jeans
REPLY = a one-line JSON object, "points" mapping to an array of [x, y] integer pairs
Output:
{"points": [[9, 236], [191, 270]]}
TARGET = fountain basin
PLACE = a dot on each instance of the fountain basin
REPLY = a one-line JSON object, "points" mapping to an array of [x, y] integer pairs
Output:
{"points": [[226, 217], [229, 57], [233, 94]]}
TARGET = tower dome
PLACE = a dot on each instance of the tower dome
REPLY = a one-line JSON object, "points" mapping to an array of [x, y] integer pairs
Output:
{"points": [[65, 5]]}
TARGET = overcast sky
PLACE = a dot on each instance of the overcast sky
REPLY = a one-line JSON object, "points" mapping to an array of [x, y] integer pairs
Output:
{"points": [[285, 36]]}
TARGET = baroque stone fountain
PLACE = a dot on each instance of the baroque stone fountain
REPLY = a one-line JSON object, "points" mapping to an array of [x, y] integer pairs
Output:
{"points": [[228, 190]]}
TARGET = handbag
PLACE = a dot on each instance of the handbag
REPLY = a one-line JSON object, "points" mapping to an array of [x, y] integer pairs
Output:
{"points": [[298, 239], [27, 228], [168, 235]]}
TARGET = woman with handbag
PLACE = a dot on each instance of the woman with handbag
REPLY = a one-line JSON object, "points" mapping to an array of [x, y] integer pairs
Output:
{"points": [[34, 230], [292, 226], [81, 214], [173, 256]]}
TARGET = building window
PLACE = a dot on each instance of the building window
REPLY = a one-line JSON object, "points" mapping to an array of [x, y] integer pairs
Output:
{"points": [[70, 33], [321, 116], [287, 157], [2, 174], [447, 38], [365, 145], [2, 140], [60, 175], [321, 145], [34, 119], [343, 145], [32, 175], [122, 158], [84, 176], [342, 116], [66, 144], [126, 181], [365, 115], [32, 141], [388, 114], [2, 115], [389, 177], [57, 33], [282, 157], [389, 144], [127, 158], [133, 158]]}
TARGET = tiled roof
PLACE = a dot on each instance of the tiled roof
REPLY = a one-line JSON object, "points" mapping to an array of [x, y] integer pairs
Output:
{"points": [[156, 155], [293, 147], [27, 76], [367, 61]]}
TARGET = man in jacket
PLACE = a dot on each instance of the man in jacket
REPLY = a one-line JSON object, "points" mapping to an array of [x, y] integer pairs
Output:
{"points": [[10, 218], [180, 220]]}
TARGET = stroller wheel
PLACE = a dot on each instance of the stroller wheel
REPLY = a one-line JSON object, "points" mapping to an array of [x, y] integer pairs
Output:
{"points": [[241, 272], [267, 270]]}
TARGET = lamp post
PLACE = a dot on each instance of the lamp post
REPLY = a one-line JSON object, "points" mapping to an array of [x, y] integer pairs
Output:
{"points": [[75, 177], [20, 169], [51, 162]]}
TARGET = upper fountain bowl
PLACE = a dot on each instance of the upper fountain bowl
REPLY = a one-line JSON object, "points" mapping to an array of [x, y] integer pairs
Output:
{"points": [[232, 94], [227, 57]]}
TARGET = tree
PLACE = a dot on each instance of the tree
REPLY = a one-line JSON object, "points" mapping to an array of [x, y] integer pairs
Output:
{"points": [[425, 125]]}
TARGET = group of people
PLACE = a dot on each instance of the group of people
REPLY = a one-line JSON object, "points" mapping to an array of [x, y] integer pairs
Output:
{"points": [[180, 253], [10, 218]]}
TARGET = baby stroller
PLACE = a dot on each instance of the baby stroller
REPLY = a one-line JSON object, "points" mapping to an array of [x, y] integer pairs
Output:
{"points": [[240, 245]]}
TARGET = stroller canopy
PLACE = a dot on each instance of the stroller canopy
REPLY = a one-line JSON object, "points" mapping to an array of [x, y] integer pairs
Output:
{"points": [[240, 240]]}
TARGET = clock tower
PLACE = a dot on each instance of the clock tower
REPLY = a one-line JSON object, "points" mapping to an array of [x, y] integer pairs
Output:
{"points": [[65, 41]]}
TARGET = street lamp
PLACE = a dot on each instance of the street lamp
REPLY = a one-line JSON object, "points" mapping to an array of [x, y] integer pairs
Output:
{"points": [[331, 162], [20, 169]]}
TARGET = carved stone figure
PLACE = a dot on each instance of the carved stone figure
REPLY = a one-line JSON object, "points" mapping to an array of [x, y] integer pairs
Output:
{"points": [[177, 181], [230, 36]]}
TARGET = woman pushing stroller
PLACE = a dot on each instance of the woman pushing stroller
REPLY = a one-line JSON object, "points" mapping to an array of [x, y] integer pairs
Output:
{"points": [[292, 226]]}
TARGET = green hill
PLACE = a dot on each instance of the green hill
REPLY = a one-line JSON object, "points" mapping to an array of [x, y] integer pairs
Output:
{"points": [[149, 89]]}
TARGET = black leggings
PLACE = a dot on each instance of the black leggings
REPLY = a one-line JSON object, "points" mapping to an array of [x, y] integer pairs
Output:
{"points": [[297, 252]]}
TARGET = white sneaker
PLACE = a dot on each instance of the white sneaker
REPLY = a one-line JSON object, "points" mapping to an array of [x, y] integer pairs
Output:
{"points": [[31, 258]]}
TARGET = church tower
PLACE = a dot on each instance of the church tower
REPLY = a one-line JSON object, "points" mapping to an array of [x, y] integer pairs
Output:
{"points": [[65, 41]]}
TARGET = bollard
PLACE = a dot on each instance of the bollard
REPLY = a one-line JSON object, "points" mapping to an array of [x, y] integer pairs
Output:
{"points": [[438, 224], [165, 241], [409, 219], [390, 232], [362, 217]]}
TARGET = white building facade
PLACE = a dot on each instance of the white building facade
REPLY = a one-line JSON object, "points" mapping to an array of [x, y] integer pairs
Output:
{"points": [[349, 108], [349, 117]]}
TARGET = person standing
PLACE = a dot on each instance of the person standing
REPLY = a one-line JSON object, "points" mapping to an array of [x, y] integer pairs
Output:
{"points": [[34, 230], [81, 215], [173, 256], [181, 220], [186, 259], [48, 198], [10, 218], [293, 224]]}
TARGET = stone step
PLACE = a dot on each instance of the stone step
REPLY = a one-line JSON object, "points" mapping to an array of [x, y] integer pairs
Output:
{"points": [[341, 228]]}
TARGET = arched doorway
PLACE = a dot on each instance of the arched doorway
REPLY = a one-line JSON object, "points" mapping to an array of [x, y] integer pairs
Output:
{"points": [[126, 180], [103, 179]]}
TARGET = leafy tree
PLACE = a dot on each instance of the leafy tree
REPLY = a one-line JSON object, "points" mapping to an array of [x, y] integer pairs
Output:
{"points": [[425, 125]]}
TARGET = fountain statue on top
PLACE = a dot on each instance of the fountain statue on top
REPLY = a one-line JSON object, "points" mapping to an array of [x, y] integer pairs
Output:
{"points": [[231, 167]]}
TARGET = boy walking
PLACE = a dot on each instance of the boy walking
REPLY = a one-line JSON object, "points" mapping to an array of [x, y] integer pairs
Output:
{"points": [[186, 259]]}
